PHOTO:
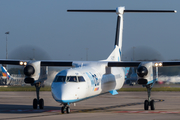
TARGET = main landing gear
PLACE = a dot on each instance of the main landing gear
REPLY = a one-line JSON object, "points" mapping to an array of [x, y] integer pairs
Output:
{"points": [[65, 108], [149, 102], [38, 101]]}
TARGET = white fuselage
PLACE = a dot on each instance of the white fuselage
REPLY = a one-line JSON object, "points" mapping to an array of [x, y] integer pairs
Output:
{"points": [[97, 79]]}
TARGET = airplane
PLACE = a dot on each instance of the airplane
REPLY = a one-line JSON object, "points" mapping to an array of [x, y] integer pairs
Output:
{"points": [[10, 80], [88, 79], [5, 76], [169, 79]]}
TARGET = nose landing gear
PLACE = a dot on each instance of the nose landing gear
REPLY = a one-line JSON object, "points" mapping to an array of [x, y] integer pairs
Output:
{"points": [[149, 102], [65, 108], [38, 101]]}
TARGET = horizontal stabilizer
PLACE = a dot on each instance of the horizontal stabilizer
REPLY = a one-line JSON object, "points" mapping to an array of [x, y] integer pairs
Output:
{"points": [[126, 11], [91, 10], [113, 92]]}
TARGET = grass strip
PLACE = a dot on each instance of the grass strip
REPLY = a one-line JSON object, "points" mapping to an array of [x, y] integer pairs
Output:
{"points": [[26, 88], [153, 89], [48, 88]]}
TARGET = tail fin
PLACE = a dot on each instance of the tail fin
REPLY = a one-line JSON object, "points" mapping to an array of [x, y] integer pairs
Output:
{"points": [[116, 54], [126, 71], [5, 73]]}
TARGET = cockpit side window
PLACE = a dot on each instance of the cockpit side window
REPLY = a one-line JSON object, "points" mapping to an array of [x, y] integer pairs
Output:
{"points": [[60, 79], [71, 79], [81, 79]]}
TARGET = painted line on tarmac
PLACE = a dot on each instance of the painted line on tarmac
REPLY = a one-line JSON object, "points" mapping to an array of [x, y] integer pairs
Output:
{"points": [[165, 112], [115, 106]]}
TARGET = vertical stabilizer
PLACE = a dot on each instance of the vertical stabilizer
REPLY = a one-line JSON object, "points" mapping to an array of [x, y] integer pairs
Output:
{"points": [[5, 73], [116, 54]]}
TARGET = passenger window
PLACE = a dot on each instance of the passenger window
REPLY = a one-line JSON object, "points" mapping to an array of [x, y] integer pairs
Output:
{"points": [[71, 79], [60, 79], [81, 79]]}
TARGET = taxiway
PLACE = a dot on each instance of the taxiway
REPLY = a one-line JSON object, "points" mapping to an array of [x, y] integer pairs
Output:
{"points": [[125, 105]]}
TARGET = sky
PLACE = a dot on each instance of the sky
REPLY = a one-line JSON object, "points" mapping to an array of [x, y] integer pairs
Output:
{"points": [[45, 28]]}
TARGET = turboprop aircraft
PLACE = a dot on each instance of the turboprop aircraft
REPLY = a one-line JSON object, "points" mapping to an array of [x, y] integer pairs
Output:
{"points": [[5, 73], [91, 78], [5, 76]]}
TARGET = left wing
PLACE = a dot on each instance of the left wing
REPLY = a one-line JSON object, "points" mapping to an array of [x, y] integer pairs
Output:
{"points": [[137, 63]]}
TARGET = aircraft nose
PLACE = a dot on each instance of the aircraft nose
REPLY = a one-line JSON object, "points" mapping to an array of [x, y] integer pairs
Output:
{"points": [[62, 93], [57, 91]]}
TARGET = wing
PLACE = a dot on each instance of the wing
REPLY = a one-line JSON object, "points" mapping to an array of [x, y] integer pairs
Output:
{"points": [[43, 63], [74, 63], [137, 63]]}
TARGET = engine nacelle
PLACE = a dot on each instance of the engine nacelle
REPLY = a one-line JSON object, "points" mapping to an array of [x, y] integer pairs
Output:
{"points": [[32, 71], [145, 73]]}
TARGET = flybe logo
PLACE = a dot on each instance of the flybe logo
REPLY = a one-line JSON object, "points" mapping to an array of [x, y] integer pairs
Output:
{"points": [[94, 81]]}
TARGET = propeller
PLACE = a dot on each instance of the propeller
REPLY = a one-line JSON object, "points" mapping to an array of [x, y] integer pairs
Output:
{"points": [[28, 52], [142, 71]]}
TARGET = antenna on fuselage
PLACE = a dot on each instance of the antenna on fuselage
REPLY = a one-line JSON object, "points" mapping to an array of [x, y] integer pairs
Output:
{"points": [[120, 11]]}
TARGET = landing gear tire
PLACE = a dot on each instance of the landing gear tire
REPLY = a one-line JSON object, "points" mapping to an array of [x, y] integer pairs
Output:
{"points": [[68, 110], [146, 105], [41, 103], [62, 110], [152, 105], [35, 103]]}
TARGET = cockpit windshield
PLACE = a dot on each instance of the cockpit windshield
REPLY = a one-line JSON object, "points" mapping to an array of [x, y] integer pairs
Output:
{"points": [[69, 79], [60, 79], [81, 79]]}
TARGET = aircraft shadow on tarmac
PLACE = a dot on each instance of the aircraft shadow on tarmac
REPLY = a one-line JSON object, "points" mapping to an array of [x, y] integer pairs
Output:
{"points": [[115, 106], [10, 108]]}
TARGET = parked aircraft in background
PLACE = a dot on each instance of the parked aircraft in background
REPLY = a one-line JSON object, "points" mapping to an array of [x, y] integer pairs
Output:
{"points": [[169, 79], [132, 79], [5, 76]]}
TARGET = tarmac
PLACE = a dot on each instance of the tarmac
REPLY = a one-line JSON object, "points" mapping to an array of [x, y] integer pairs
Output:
{"points": [[125, 105]]}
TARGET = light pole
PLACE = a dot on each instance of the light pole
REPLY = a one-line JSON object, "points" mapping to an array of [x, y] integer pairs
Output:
{"points": [[7, 33]]}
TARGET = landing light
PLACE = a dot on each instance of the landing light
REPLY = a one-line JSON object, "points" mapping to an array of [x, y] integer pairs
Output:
{"points": [[25, 63], [158, 64], [21, 63]]}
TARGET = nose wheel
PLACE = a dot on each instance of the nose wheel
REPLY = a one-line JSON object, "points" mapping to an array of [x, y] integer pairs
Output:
{"points": [[65, 108], [147, 104]]}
